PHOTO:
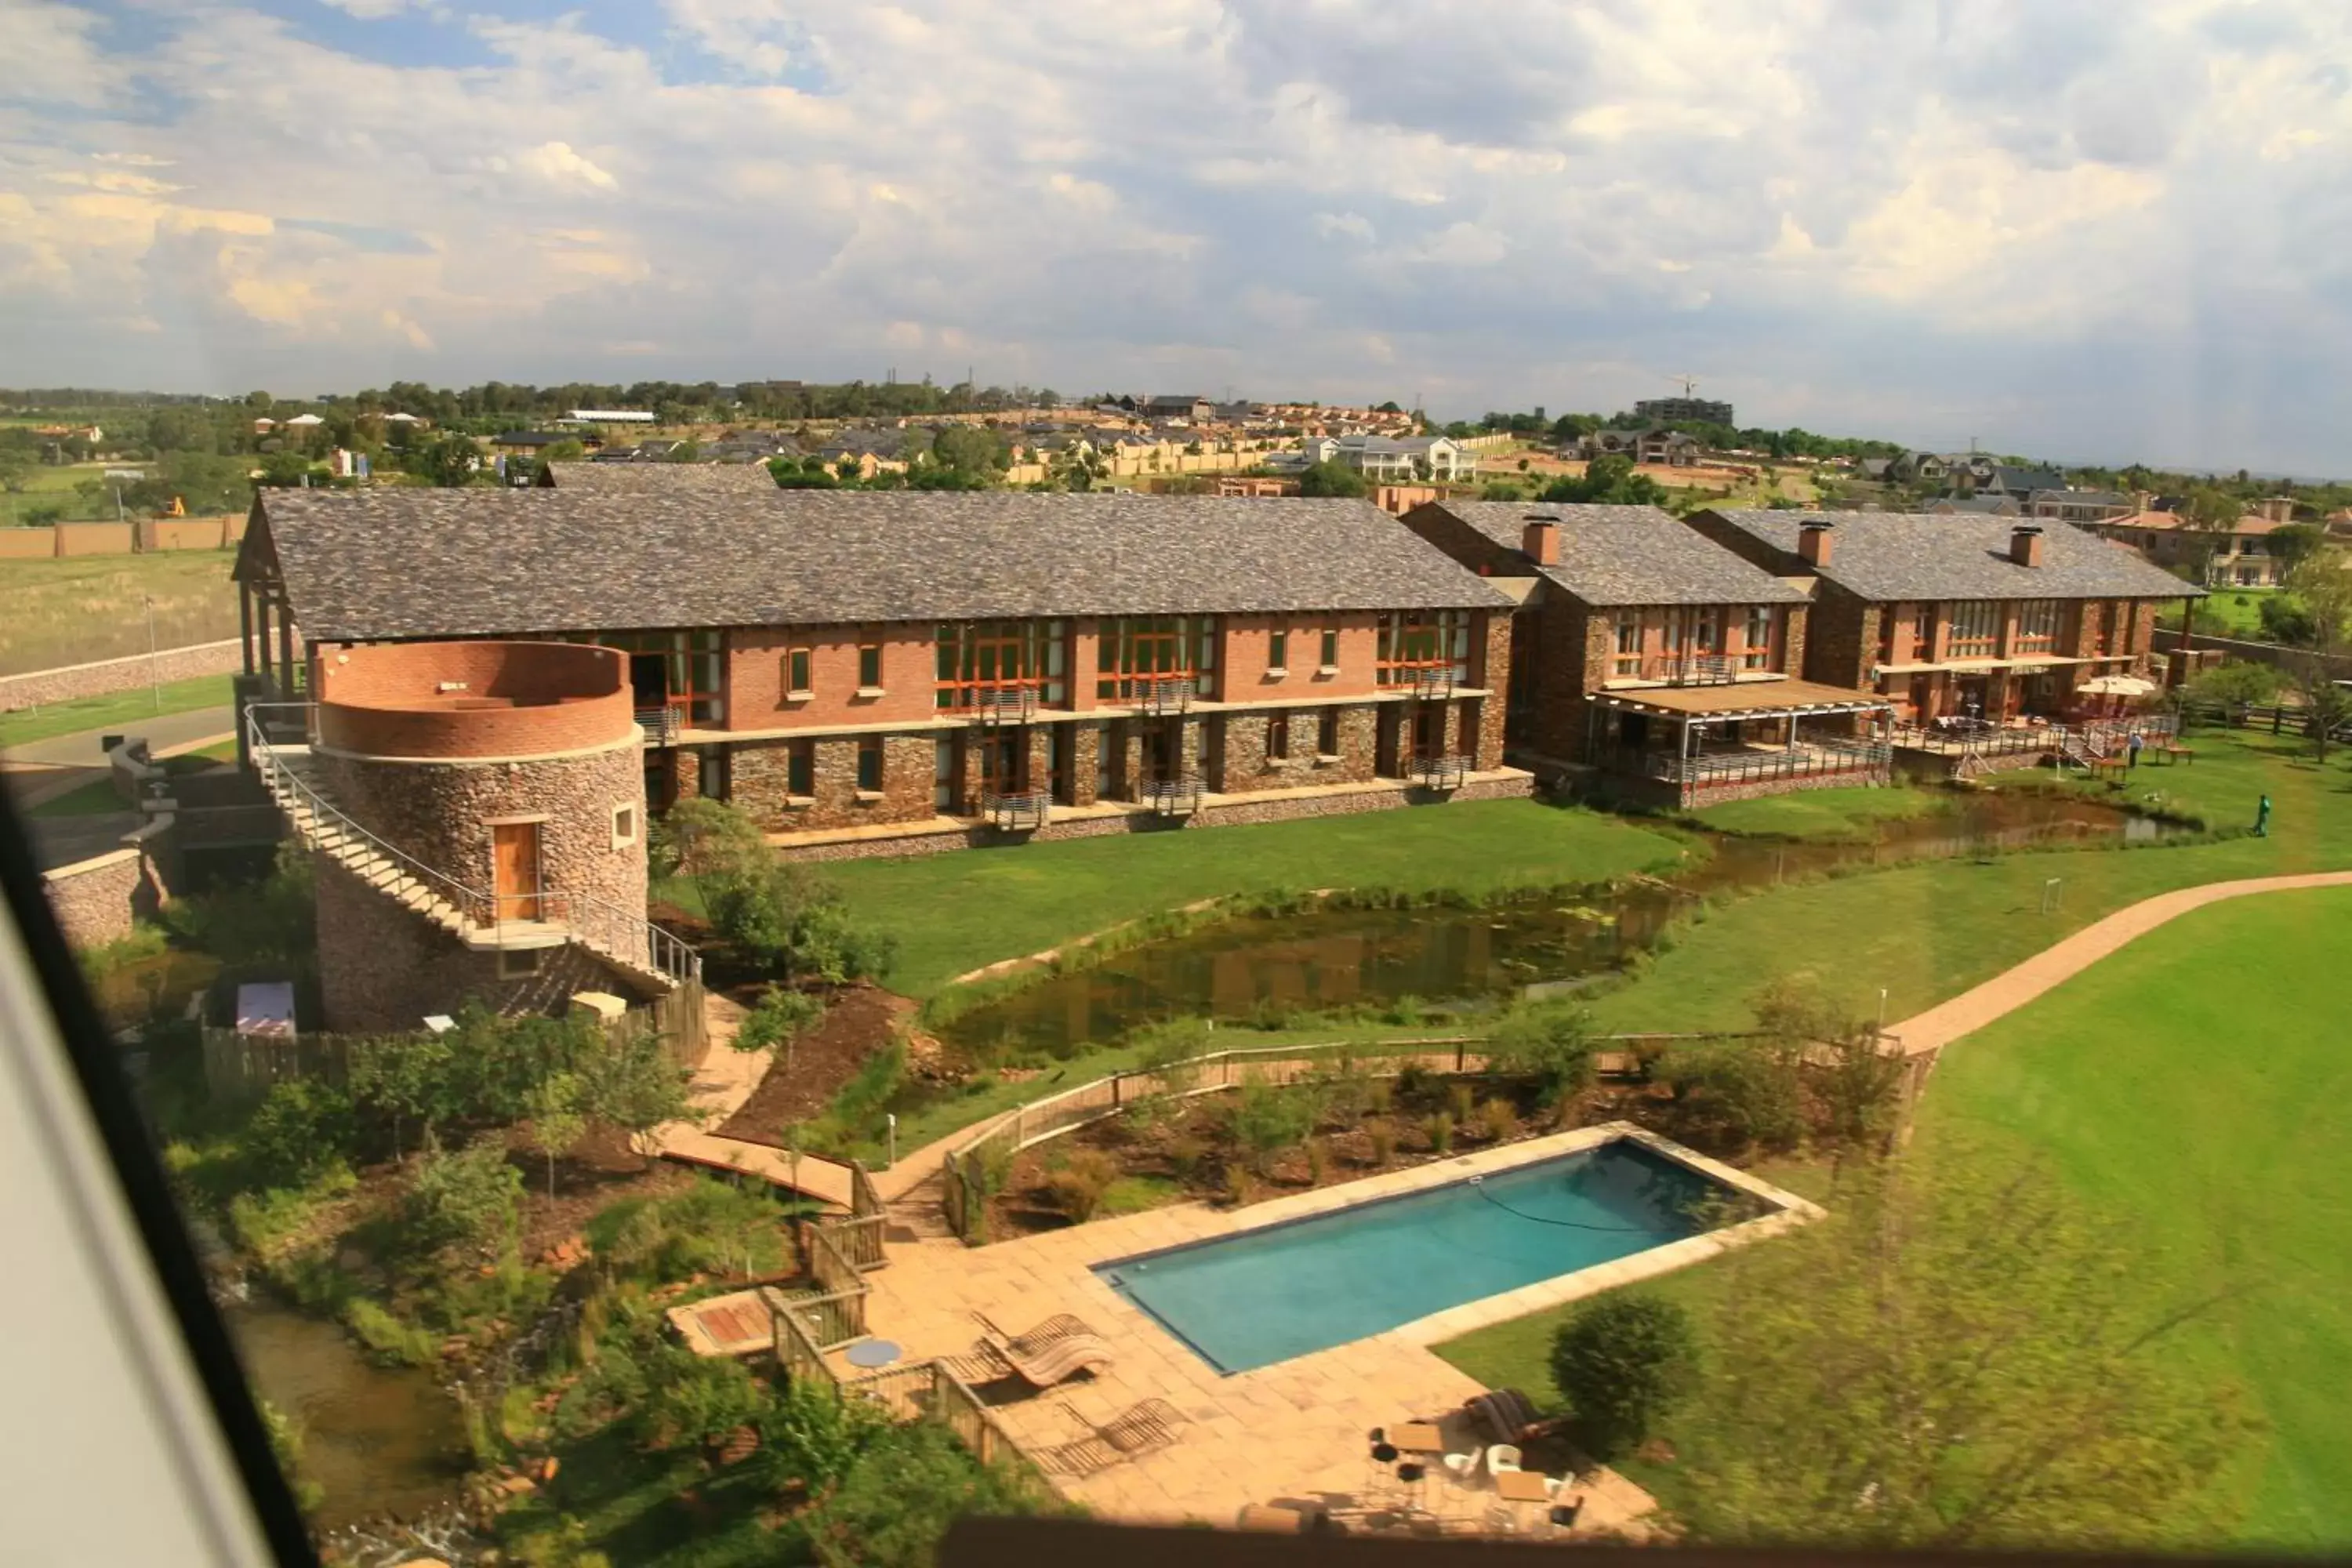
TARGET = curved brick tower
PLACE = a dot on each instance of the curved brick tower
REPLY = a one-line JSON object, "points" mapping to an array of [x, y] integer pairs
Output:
{"points": [[476, 814]]}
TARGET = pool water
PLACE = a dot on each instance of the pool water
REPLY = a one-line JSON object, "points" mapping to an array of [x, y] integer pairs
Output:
{"points": [[1268, 1295]]}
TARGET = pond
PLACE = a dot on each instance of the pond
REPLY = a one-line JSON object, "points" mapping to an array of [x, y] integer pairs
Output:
{"points": [[378, 1440], [1333, 958]]}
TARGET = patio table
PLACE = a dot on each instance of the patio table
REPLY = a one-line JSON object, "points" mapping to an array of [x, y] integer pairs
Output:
{"points": [[1521, 1485], [871, 1353], [1419, 1437]]}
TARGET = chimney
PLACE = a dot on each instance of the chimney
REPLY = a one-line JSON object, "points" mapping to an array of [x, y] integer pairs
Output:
{"points": [[1540, 541], [2025, 544], [1814, 540]]}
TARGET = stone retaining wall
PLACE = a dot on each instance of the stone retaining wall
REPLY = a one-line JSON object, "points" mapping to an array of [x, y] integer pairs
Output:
{"points": [[99, 900], [37, 688]]}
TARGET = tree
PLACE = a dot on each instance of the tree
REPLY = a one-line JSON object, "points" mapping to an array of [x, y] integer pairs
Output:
{"points": [[629, 1083], [968, 449], [2295, 543], [1623, 1362], [1608, 479], [1742, 1092], [2208, 515], [2324, 586], [1332, 478], [2233, 687], [1855, 1081], [448, 460], [1267, 1119], [466, 1200], [564, 452], [1554, 1048], [1954, 1358], [556, 1122], [403, 1077], [1077, 467], [284, 470]]}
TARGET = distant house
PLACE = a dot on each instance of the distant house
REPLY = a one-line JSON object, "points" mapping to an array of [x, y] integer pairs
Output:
{"points": [[1191, 409], [1700, 409], [2006, 480], [525, 443], [1975, 506], [2078, 506], [1656, 445], [1917, 466], [1383, 459], [2238, 557], [752, 446]]}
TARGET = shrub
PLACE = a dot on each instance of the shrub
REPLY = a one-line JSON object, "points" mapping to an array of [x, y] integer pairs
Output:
{"points": [[1240, 1186], [466, 1200], [775, 1019], [1440, 1132], [1746, 1093], [695, 1399], [1267, 1119], [386, 1337], [1623, 1362], [300, 1130], [1188, 1154], [1460, 1100], [810, 1437], [1078, 1187], [1555, 1049], [1382, 1132], [1498, 1118], [1318, 1160]]}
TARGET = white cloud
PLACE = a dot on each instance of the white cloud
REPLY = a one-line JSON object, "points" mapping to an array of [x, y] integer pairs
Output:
{"points": [[1851, 214]]}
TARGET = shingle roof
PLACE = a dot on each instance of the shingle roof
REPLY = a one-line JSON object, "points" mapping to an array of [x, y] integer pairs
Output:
{"points": [[413, 563], [1630, 556], [1957, 555], [657, 478]]}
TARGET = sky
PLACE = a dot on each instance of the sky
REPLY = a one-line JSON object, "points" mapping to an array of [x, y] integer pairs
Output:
{"points": [[2097, 230]]}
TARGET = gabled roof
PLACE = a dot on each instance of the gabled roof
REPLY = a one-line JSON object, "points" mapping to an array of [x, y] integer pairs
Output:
{"points": [[1628, 554], [1891, 556], [655, 478], [476, 562]]}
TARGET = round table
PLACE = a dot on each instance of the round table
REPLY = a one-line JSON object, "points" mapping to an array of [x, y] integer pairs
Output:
{"points": [[871, 1353]]}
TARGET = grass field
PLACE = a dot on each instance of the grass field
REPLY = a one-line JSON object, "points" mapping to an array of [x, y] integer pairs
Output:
{"points": [[89, 607], [2226, 1160], [1822, 814], [955, 912], [2230, 612], [124, 707], [95, 798], [48, 485]]}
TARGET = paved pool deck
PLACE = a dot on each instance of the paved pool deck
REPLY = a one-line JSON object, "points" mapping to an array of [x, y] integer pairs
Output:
{"points": [[1295, 1430]]}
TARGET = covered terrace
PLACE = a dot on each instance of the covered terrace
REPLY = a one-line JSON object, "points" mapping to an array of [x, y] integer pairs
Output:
{"points": [[1696, 743]]}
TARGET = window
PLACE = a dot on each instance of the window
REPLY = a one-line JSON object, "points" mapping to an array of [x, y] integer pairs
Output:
{"points": [[1135, 654], [1277, 653], [688, 669], [1923, 632], [796, 672], [2037, 626], [1277, 738], [2127, 627], [1628, 644], [1411, 641], [1330, 649], [1976, 628], [1327, 733], [519, 963], [800, 768], [624, 825], [1757, 654], [715, 778], [869, 764], [869, 667], [986, 656], [1887, 615]]}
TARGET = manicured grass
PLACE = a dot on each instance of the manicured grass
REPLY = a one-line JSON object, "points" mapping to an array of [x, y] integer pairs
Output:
{"points": [[2230, 612], [123, 708], [87, 607], [952, 914], [2228, 1157], [1822, 813]]}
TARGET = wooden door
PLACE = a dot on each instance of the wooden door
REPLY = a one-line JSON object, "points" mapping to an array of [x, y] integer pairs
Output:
{"points": [[1428, 732], [516, 889]]}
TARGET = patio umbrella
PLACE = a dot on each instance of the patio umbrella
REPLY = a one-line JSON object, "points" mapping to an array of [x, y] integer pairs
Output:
{"points": [[2119, 686]]}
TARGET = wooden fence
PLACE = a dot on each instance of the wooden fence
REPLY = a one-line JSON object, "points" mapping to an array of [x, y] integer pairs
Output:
{"points": [[859, 1238]]}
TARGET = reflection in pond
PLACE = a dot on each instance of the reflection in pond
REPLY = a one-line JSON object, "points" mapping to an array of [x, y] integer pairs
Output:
{"points": [[1340, 957]]}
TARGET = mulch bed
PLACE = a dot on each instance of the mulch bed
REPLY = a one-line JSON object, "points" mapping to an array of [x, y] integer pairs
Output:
{"points": [[861, 1021]]}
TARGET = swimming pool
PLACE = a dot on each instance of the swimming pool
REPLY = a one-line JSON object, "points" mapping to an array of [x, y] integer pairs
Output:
{"points": [[1268, 1295]]}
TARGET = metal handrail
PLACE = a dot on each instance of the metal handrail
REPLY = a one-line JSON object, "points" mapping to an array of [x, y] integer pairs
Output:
{"points": [[664, 952], [1164, 693], [1013, 700], [1442, 772], [1180, 793], [1696, 670], [660, 724], [1028, 808]]}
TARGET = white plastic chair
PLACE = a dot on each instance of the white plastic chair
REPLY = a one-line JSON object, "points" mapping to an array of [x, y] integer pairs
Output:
{"points": [[1502, 1457], [1464, 1467]]}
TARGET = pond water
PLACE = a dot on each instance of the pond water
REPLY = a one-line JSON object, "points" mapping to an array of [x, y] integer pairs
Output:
{"points": [[1341, 957], [379, 1440]]}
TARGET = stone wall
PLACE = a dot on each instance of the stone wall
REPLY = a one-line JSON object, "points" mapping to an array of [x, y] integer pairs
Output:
{"points": [[1842, 641], [441, 813], [35, 688], [1493, 671], [97, 901], [759, 776]]}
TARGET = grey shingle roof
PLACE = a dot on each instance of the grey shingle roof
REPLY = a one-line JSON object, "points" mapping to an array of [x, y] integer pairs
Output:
{"points": [[1959, 555], [657, 478], [415, 563], [1630, 556]]}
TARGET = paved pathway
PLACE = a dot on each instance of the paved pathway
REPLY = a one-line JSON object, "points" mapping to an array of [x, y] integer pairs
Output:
{"points": [[723, 1082], [2014, 987], [40, 770]]}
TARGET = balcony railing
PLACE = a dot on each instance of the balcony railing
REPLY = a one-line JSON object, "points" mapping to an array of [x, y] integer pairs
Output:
{"points": [[660, 724], [1004, 704], [1811, 755], [1446, 772], [1020, 813], [1434, 684], [1163, 694], [1691, 669], [1174, 797]]}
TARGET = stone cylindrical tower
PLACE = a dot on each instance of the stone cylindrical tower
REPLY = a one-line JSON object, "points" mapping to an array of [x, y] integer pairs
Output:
{"points": [[506, 781]]}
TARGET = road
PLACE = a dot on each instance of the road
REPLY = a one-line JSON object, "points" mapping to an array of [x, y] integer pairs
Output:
{"points": [[40, 770]]}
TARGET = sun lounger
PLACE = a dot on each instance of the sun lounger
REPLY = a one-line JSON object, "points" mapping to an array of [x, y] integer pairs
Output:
{"points": [[1054, 1351], [1140, 1430], [1507, 1415]]}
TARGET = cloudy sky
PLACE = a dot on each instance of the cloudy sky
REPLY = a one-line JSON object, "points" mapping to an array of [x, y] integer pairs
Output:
{"points": [[2083, 228]]}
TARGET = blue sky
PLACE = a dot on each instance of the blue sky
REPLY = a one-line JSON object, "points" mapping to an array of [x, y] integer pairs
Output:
{"points": [[2085, 228]]}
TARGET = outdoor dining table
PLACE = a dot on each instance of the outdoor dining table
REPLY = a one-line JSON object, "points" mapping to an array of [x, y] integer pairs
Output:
{"points": [[1419, 1437], [1522, 1485]]}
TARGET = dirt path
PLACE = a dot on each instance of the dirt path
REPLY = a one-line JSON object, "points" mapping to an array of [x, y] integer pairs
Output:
{"points": [[2005, 993]]}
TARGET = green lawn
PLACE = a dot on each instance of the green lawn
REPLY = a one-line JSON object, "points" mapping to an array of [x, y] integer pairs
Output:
{"points": [[87, 607], [2194, 1092], [1820, 812], [118, 708], [952, 914], [2230, 612]]}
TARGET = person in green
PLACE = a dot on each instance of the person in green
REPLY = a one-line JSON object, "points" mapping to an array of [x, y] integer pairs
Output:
{"points": [[2262, 818]]}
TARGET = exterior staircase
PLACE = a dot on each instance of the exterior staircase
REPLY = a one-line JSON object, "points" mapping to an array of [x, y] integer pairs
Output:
{"points": [[654, 958]]}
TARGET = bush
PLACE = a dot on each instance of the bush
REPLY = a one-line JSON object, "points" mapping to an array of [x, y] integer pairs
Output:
{"points": [[386, 1337], [810, 1437], [1743, 1092], [1078, 1187], [1623, 1362], [1266, 1121], [695, 1399], [1460, 1099], [1382, 1132], [775, 1019], [901, 1492], [1555, 1049], [1499, 1119], [1440, 1132], [301, 1129], [467, 1201]]}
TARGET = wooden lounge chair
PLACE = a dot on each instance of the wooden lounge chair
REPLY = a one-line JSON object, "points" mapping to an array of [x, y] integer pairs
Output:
{"points": [[1054, 1351], [1140, 1430], [1507, 1415]]}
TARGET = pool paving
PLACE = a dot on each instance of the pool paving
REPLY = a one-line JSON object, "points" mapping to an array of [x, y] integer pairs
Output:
{"points": [[1295, 1429]]}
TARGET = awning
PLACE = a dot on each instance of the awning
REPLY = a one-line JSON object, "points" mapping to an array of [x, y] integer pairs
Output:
{"points": [[2117, 686], [1752, 700]]}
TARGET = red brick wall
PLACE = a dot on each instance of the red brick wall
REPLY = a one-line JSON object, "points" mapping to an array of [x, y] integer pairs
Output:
{"points": [[755, 676], [519, 700]]}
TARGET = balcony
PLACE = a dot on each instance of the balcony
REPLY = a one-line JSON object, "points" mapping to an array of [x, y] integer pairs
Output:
{"points": [[1445, 772], [1004, 704], [1163, 694], [1434, 683], [1692, 668], [1173, 797], [1024, 812], [660, 724]]}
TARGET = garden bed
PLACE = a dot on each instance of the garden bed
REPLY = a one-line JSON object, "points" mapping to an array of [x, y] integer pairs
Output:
{"points": [[861, 1023]]}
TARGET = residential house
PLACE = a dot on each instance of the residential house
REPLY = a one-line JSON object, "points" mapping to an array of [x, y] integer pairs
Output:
{"points": [[2237, 557], [524, 443], [1917, 468], [2078, 507], [1705, 411], [877, 672], [1646, 653], [1656, 445], [1989, 618], [1383, 459], [1982, 476], [1190, 409]]}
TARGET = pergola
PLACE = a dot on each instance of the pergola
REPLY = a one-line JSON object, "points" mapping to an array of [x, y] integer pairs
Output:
{"points": [[1691, 709]]}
